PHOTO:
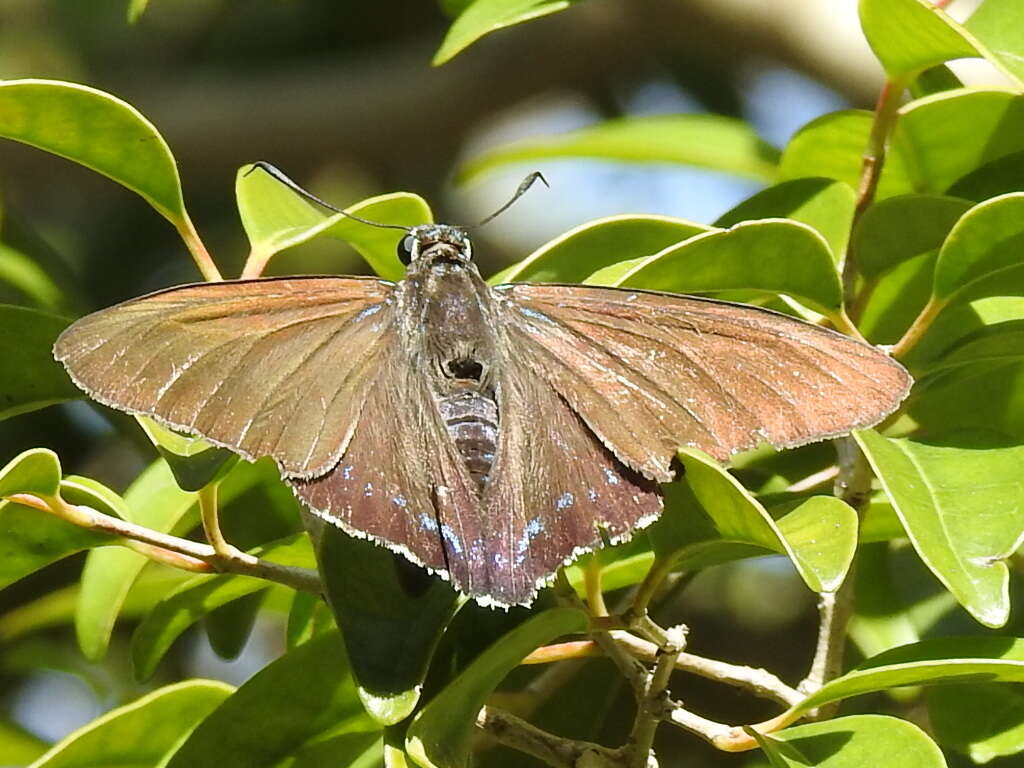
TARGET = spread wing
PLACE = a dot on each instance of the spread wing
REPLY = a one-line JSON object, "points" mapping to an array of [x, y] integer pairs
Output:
{"points": [[649, 372], [402, 481], [276, 367]]}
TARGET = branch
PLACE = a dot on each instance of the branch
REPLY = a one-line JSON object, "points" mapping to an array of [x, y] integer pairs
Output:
{"points": [[172, 550], [553, 750]]}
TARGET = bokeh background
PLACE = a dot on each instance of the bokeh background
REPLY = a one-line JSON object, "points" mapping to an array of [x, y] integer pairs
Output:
{"points": [[341, 95]]}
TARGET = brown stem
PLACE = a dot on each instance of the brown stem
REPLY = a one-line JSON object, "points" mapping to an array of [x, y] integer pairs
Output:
{"points": [[238, 562], [554, 750], [918, 328], [200, 255]]}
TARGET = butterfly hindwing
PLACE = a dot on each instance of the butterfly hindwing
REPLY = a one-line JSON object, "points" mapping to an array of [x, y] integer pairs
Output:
{"points": [[241, 363]]}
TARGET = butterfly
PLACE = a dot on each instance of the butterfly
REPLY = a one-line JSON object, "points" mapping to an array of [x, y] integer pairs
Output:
{"points": [[490, 434]]}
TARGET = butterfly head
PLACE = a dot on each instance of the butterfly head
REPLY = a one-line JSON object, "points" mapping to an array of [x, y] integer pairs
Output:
{"points": [[435, 244]]}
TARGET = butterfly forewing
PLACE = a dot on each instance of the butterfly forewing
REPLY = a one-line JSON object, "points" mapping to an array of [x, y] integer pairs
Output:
{"points": [[649, 371], [275, 367]]}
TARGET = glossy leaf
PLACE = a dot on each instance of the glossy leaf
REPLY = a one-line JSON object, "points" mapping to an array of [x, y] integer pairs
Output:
{"points": [[983, 721], [201, 595], [31, 539], [931, 662], [18, 746], [909, 36], [994, 178], [143, 733], [987, 239], [302, 698], [833, 145], [705, 141], [35, 471], [823, 204], [983, 125], [999, 25], [228, 628], [959, 507], [819, 535], [857, 741], [276, 218], [391, 614], [773, 256], [97, 130], [481, 17], [571, 257], [30, 378], [880, 621], [900, 228], [308, 617], [194, 462], [440, 734]]}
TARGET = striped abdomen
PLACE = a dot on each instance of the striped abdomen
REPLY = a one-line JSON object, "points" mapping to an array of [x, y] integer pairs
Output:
{"points": [[472, 422]]}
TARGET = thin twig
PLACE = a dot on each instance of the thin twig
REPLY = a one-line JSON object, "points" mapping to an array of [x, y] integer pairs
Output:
{"points": [[553, 750], [200, 255], [656, 704], [917, 329], [814, 480], [240, 563]]}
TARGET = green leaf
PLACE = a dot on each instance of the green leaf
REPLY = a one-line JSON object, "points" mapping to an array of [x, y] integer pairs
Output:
{"points": [[29, 278], [31, 539], [999, 25], [773, 256], [276, 218], [485, 16], [228, 627], [880, 621], [298, 701], [705, 141], [97, 130], [441, 733], [818, 535], [823, 204], [959, 508], [986, 239], [201, 595], [832, 146], [31, 378], [983, 721], [571, 257], [1000, 344], [308, 617], [391, 614], [18, 746], [142, 734], [155, 501], [939, 661], [194, 462], [856, 742], [983, 125], [135, 10], [900, 228], [909, 36], [994, 178], [35, 471]]}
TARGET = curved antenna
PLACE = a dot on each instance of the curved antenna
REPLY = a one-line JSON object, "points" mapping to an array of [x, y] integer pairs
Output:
{"points": [[524, 185], [276, 173]]}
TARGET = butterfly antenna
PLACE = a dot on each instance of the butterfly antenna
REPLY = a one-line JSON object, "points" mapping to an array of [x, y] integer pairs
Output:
{"points": [[523, 187], [278, 175]]}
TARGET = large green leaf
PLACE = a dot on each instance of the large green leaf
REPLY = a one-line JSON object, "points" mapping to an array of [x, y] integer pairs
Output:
{"points": [[900, 228], [959, 508], [30, 377], [771, 256], [481, 17], [987, 238], [287, 710], [142, 734], [201, 595], [999, 25], [705, 141], [909, 36], [580, 252], [35, 471], [931, 662], [276, 218], [391, 614], [97, 130], [824, 204], [818, 535], [18, 746], [441, 733], [856, 742], [984, 721]]}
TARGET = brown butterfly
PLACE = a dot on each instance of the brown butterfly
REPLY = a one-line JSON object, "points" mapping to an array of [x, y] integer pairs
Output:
{"points": [[489, 434]]}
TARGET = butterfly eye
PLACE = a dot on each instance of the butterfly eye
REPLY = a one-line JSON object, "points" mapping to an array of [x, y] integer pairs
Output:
{"points": [[405, 246]]}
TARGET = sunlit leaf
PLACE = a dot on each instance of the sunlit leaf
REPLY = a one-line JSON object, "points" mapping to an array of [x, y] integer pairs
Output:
{"points": [[481, 17], [30, 377]]}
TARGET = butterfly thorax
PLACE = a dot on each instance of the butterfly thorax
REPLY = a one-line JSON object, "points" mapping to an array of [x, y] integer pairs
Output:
{"points": [[451, 339]]}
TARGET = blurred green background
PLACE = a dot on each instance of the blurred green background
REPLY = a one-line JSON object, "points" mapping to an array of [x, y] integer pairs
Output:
{"points": [[341, 95]]}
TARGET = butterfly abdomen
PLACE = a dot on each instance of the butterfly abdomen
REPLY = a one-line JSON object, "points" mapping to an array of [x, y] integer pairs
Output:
{"points": [[471, 418]]}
